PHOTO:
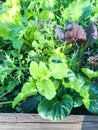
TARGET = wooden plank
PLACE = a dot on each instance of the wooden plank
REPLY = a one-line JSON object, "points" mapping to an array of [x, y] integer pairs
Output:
{"points": [[35, 122]]}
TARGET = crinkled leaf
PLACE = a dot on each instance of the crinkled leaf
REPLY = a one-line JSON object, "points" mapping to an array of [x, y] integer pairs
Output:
{"points": [[90, 73], [46, 88], [12, 12], [74, 33], [28, 89], [56, 109], [90, 98]]}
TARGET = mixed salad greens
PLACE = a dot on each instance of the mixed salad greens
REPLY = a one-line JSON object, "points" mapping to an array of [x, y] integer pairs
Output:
{"points": [[48, 56]]}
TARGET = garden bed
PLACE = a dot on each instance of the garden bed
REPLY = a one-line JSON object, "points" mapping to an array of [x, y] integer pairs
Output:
{"points": [[35, 122], [49, 59]]}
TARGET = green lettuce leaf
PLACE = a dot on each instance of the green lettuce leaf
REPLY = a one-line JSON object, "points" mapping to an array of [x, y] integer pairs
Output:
{"points": [[73, 82], [56, 109], [90, 73], [58, 70], [28, 89], [90, 98], [46, 88]]}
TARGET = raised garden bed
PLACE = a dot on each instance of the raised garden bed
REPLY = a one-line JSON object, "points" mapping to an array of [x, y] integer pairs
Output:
{"points": [[49, 64], [35, 122]]}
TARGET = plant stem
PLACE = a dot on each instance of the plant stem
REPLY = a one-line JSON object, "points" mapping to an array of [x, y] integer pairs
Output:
{"points": [[17, 68], [20, 68], [3, 95], [8, 102]]}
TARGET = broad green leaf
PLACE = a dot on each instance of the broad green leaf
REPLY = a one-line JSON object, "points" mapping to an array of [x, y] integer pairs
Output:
{"points": [[77, 102], [11, 14], [87, 10], [29, 104], [55, 58], [28, 89], [56, 83], [17, 43], [46, 15], [35, 70], [74, 82], [62, 91], [70, 12], [58, 70], [4, 31], [56, 109], [58, 57], [90, 73], [16, 36], [43, 68], [47, 3], [77, 99], [90, 98], [46, 88]]}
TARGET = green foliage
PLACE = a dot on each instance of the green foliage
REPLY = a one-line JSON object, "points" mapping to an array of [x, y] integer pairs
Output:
{"points": [[90, 73], [35, 70], [10, 86], [46, 88], [58, 71], [56, 109], [73, 81], [90, 98], [55, 70], [38, 70], [45, 15], [77, 99], [28, 89], [70, 12]]}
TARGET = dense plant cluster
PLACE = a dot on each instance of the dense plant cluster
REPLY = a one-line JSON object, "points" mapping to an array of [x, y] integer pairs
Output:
{"points": [[48, 56], [72, 33]]}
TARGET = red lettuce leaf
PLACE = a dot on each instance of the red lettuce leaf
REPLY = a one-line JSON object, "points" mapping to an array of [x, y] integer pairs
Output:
{"points": [[75, 34]]}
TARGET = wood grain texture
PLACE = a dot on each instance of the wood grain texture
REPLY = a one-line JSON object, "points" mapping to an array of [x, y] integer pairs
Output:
{"points": [[35, 122]]}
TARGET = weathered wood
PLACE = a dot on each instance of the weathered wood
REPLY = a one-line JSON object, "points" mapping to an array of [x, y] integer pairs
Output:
{"points": [[35, 122]]}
